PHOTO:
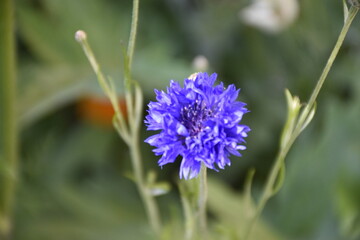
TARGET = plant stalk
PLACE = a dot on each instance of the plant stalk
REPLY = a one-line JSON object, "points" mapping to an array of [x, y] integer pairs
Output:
{"points": [[190, 217], [133, 31], [8, 126], [148, 199], [151, 207], [129, 131], [271, 181], [352, 13], [203, 193]]}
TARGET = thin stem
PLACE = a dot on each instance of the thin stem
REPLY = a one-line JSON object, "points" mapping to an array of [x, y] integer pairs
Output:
{"points": [[268, 189], [148, 200], [107, 86], [133, 31], [8, 126], [270, 183], [190, 218], [352, 13], [129, 132], [203, 192]]}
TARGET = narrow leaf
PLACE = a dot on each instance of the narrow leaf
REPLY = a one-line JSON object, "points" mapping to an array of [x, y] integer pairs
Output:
{"points": [[248, 201], [293, 107], [248, 183], [159, 188], [309, 117], [280, 179]]}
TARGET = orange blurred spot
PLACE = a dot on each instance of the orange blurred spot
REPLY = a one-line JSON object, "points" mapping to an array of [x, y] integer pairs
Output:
{"points": [[98, 110]]}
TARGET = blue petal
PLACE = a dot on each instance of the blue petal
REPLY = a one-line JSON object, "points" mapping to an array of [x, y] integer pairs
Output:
{"points": [[209, 131]]}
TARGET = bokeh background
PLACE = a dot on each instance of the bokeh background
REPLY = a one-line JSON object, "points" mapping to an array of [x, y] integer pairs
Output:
{"points": [[73, 174]]}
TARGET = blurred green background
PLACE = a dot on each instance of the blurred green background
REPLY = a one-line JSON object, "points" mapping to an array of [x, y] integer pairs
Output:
{"points": [[73, 182]]}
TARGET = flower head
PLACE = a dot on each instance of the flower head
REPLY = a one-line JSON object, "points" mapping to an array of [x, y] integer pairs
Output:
{"points": [[199, 122]]}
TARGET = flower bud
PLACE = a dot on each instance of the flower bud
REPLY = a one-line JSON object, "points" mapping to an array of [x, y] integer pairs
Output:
{"points": [[80, 35]]}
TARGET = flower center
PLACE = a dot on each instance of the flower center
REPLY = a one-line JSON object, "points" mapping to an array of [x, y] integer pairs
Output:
{"points": [[193, 116]]}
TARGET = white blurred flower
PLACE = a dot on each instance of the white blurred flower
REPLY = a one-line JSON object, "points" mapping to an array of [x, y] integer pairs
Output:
{"points": [[270, 15], [200, 63]]}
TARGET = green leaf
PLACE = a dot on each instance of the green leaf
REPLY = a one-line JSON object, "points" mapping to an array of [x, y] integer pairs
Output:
{"points": [[293, 108], [248, 201], [47, 89], [233, 215], [156, 188], [280, 179], [54, 80], [348, 204], [159, 188], [309, 117], [314, 168]]}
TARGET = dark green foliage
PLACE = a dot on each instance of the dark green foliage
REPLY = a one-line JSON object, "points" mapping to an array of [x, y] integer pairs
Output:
{"points": [[72, 183]]}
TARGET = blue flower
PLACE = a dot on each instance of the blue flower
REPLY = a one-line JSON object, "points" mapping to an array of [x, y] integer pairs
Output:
{"points": [[199, 122]]}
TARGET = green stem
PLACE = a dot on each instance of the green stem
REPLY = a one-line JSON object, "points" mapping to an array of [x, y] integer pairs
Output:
{"points": [[190, 217], [203, 192], [148, 200], [268, 189], [133, 31], [106, 85], [270, 183], [352, 13], [128, 131], [8, 127]]}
